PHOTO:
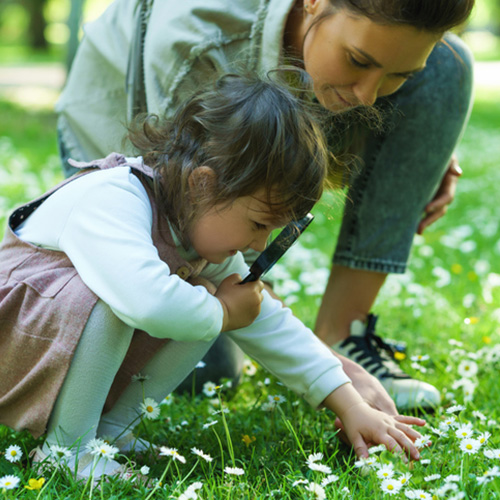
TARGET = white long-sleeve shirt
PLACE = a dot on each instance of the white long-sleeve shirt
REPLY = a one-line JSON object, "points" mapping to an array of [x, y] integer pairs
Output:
{"points": [[103, 221]]}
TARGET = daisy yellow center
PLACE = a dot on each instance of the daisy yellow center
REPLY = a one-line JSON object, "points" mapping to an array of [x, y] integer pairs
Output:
{"points": [[464, 433], [149, 409], [276, 398], [13, 453], [8, 483], [469, 447], [390, 487], [384, 474], [403, 481]]}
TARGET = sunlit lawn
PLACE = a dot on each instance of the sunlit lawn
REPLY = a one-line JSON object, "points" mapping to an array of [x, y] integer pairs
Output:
{"points": [[447, 308]]}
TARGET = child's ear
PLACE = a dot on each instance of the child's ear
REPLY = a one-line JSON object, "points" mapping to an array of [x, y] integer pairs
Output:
{"points": [[202, 181]]}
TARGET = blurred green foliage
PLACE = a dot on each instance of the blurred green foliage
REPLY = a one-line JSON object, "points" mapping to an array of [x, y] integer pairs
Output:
{"points": [[16, 32]]}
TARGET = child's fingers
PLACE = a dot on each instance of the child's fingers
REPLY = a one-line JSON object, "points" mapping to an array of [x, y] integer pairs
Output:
{"points": [[410, 420], [360, 447], [411, 433], [403, 441]]}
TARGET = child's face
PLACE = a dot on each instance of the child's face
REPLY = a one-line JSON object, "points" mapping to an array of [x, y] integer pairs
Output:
{"points": [[223, 230]]}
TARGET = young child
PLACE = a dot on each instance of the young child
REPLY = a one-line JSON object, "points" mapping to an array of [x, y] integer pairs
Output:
{"points": [[94, 275]]}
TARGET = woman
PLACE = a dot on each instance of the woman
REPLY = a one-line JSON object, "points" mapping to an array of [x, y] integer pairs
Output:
{"points": [[358, 52]]}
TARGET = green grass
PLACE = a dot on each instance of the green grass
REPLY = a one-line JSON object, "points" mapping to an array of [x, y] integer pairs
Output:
{"points": [[451, 292]]}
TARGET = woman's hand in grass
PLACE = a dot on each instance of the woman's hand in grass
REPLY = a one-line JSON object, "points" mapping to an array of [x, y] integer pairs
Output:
{"points": [[368, 386], [443, 197], [365, 426]]}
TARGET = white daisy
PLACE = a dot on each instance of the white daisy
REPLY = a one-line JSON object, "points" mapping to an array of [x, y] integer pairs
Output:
{"points": [[167, 400], [421, 494], [448, 422], [300, 481], [319, 467], [420, 357], [464, 431], [365, 462], [172, 452], [376, 449], [150, 409], [277, 399], [391, 486], [455, 409], [94, 443], [317, 490], [235, 471], [467, 368], [13, 453], [188, 495], [492, 453], [144, 470], [59, 453], [209, 424], [209, 389], [404, 478], [470, 445], [249, 368], [314, 457], [139, 377], [446, 488], [488, 475], [332, 478], [479, 415], [200, 364], [9, 482], [105, 450], [385, 471], [432, 477], [439, 432], [483, 437], [191, 492], [200, 454], [423, 441], [452, 478]]}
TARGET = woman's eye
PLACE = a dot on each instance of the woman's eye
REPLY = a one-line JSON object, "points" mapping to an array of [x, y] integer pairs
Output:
{"points": [[357, 63], [259, 226]]}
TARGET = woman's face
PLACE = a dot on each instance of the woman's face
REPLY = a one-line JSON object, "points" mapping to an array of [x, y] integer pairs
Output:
{"points": [[353, 61]]}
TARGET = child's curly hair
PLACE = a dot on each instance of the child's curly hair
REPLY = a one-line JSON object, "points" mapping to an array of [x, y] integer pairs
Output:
{"points": [[253, 133]]}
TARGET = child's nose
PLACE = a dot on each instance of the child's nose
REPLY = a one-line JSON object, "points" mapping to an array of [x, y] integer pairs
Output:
{"points": [[259, 244]]}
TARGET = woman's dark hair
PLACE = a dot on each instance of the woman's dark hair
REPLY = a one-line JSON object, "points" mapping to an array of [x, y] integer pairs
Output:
{"points": [[253, 133], [434, 16]]}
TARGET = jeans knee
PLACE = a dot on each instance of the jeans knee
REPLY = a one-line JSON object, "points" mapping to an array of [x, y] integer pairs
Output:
{"points": [[461, 64]]}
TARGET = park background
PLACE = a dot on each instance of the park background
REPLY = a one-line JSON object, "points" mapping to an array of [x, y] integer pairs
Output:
{"points": [[446, 307]]}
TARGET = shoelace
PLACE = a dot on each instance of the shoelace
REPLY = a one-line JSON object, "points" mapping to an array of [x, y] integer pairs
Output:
{"points": [[376, 343], [378, 356]]}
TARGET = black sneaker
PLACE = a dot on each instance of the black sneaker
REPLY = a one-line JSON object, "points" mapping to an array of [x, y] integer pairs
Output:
{"points": [[377, 357]]}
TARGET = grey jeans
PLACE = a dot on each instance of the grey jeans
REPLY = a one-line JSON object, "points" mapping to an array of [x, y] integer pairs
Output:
{"points": [[402, 168]]}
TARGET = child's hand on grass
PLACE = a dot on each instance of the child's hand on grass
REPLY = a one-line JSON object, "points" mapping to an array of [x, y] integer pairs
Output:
{"points": [[241, 303], [366, 426]]}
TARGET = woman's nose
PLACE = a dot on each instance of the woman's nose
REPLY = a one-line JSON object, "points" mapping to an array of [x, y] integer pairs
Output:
{"points": [[366, 89]]}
